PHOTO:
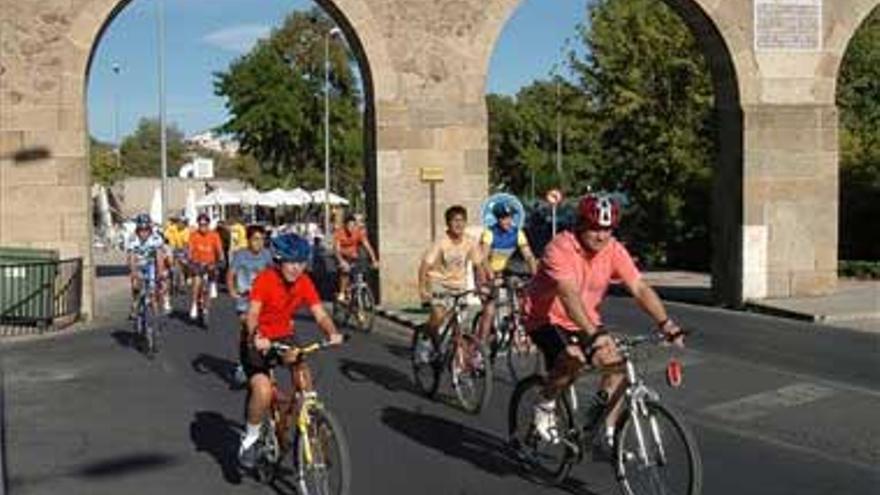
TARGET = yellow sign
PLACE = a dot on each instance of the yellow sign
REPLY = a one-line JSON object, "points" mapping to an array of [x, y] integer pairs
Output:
{"points": [[432, 174]]}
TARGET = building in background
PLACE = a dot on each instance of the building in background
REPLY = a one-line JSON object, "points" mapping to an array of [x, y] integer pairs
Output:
{"points": [[209, 140]]}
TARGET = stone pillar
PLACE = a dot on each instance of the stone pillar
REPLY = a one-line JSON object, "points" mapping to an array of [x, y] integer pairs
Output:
{"points": [[790, 196], [412, 136]]}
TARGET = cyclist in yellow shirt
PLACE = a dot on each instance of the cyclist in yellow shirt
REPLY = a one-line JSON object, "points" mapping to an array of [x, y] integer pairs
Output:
{"points": [[177, 239]]}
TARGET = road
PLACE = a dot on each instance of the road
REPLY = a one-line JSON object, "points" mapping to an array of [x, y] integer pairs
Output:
{"points": [[778, 408]]}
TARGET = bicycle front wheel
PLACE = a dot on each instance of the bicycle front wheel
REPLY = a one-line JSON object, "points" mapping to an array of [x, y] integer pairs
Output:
{"points": [[322, 457], [365, 313], [425, 362], [471, 371], [666, 459], [550, 461]]}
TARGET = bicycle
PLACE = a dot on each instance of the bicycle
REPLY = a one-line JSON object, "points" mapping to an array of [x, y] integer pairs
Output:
{"points": [[146, 322], [299, 427], [177, 278], [204, 274], [461, 352], [359, 303], [645, 438], [508, 333]]}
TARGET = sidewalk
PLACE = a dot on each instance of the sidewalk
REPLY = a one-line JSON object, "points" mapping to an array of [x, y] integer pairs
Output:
{"points": [[855, 305]]}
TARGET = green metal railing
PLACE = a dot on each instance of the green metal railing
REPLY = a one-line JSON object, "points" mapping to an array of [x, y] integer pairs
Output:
{"points": [[36, 296]]}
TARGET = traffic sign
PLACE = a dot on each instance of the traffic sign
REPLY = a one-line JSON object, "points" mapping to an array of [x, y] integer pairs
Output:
{"points": [[554, 196]]}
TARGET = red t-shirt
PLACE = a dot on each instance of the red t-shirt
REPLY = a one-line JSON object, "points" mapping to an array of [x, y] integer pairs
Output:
{"points": [[280, 301]]}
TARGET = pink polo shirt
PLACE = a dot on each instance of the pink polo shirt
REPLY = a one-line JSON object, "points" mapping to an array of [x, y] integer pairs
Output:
{"points": [[565, 259]]}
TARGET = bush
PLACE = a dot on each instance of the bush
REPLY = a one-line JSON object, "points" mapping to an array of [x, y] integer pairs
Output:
{"points": [[863, 270]]}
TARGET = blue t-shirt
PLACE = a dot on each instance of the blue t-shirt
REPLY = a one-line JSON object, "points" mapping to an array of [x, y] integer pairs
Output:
{"points": [[247, 265]]}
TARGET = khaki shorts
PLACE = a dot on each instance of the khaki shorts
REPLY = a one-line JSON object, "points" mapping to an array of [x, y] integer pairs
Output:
{"points": [[441, 296]]}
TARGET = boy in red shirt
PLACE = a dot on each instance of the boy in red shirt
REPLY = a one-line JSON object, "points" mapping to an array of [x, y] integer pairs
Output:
{"points": [[276, 295]]}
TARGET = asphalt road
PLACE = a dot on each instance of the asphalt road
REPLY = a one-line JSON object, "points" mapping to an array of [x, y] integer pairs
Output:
{"points": [[778, 408]]}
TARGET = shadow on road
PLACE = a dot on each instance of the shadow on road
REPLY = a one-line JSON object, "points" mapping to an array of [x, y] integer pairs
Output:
{"points": [[212, 433], [111, 271], [485, 451], [388, 378], [400, 351], [223, 369], [126, 465]]}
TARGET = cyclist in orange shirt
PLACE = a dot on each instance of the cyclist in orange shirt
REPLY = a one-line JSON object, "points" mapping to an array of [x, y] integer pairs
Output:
{"points": [[348, 241], [205, 252]]}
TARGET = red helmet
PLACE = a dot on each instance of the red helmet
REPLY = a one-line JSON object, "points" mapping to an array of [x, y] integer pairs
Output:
{"points": [[599, 211]]}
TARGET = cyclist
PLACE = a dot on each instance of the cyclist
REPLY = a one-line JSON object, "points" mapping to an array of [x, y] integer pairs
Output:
{"points": [[562, 308], [146, 258], [176, 240], [277, 293], [443, 271], [243, 269], [348, 241], [205, 252], [497, 244]]}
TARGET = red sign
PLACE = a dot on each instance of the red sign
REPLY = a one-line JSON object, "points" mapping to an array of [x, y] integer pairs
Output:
{"points": [[554, 196]]}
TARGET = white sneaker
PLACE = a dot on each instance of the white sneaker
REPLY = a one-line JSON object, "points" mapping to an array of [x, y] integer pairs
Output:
{"points": [[167, 306], [545, 422], [193, 312], [213, 290]]}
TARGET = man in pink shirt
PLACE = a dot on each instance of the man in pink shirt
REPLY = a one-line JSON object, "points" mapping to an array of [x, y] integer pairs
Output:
{"points": [[562, 306]]}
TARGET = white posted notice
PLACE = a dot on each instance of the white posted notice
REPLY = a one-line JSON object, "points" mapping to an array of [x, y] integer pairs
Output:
{"points": [[789, 25]]}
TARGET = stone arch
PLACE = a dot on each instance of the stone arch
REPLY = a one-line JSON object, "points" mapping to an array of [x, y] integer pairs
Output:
{"points": [[717, 36], [351, 16]]}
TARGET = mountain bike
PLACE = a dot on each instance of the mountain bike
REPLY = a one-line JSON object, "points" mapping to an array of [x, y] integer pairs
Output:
{"points": [[653, 452], [508, 335], [300, 437], [359, 305], [457, 350], [146, 322]]}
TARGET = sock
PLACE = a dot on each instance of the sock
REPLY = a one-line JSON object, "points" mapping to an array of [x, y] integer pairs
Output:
{"points": [[609, 434], [547, 404], [251, 435]]}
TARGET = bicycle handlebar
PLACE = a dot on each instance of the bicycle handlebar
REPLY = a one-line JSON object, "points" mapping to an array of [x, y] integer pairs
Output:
{"points": [[283, 348]]}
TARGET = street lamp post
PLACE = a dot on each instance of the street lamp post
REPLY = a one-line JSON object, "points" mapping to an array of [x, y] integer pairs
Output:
{"points": [[160, 14], [330, 34], [116, 69]]}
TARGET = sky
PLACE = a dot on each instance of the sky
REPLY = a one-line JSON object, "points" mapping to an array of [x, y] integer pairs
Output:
{"points": [[204, 36]]}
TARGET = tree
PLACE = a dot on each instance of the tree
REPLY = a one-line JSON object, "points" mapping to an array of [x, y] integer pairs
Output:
{"points": [[274, 95], [103, 163], [652, 99], [141, 151], [858, 98]]}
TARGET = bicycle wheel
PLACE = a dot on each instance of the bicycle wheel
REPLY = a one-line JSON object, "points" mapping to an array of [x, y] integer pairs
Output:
{"points": [[322, 457], [670, 463], [150, 322], [365, 311], [266, 467], [471, 371], [426, 366], [550, 461], [523, 358]]}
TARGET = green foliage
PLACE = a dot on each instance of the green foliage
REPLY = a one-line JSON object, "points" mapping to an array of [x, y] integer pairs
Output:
{"points": [[858, 98], [866, 270], [141, 151], [275, 97], [105, 168], [638, 119]]}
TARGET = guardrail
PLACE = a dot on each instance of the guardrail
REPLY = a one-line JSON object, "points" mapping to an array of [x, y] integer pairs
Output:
{"points": [[40, 296]]}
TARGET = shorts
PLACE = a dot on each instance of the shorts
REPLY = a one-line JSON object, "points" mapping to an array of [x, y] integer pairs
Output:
{"points": [[198, 269], [255, 363], [552, 340], [242, 304], [442, 296]]}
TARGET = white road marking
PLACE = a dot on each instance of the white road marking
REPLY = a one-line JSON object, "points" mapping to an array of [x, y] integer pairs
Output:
{"points": [[757, 405]]}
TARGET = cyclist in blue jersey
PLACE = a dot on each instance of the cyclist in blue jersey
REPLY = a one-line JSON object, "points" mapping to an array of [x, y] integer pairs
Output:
{"points": [[146, 258], [497, 244]]}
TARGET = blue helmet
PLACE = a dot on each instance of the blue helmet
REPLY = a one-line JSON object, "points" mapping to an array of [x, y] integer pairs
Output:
{"points": [[142, 221], [291, 247], [501, 210]]}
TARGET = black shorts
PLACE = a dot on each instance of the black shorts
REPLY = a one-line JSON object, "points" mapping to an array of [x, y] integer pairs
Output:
{"points": [[254, 362], [552, 341]]}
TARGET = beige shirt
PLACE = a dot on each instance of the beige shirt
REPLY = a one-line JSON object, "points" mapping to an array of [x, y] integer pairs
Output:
{"points": [[449, 262]]}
